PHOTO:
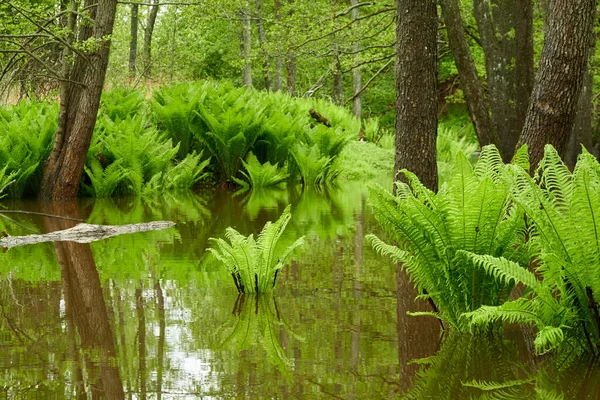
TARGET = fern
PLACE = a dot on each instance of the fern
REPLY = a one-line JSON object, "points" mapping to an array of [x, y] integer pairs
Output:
{"points": [[472, 212], [262, 175], [254, 264]]}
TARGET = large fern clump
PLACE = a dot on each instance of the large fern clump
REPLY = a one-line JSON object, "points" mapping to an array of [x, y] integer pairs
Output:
{"points": [[563, 209], [254, 263], [473, 211], [27, 132]]}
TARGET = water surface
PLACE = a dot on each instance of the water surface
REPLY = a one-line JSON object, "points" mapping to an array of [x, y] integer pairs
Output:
{"points": [[152, 315]]}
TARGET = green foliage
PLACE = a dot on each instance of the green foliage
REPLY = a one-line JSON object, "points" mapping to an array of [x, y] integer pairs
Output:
{"points": [[27, 132], [473, 211], [450, 143], [254, 264], [121, 102], [563, 209], [261, 175], [129, 156]]}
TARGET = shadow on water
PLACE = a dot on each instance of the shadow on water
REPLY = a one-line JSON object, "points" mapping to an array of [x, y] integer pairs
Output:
{"points": [[151, 315]]}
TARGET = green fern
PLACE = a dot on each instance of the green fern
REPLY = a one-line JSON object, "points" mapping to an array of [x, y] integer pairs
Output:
{"points": [[563, 209], [472, 212], [254, 264], [262, 175]]}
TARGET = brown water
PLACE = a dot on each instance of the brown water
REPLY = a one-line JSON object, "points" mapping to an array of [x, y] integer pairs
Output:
{"points": [[152, 315]]}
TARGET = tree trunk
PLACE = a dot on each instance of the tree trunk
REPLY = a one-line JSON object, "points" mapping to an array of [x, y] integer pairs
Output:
{"points": [[290, 65], [134, 37], [338, 78], [79, 107], [356, 72], [553, 106], [277, 81], [416, 89], [505, 28], [582, 128], [148, 38], [469, 81], [246, 45], [262, 43]]}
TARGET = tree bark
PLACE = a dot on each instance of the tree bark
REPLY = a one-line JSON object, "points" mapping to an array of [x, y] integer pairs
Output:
{"points": [[262, 43], [246, 45], [79, 107], [553, 106], [134, 38], [467, 72], [148, 38], [582, 128], [506, 30], [356, 72], [416, 89]]}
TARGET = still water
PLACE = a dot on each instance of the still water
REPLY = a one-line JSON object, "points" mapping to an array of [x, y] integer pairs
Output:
{"points": [[153, 316]]}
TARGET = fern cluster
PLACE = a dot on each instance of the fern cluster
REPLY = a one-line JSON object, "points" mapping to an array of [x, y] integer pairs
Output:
{"points": [[472, 212], [254, 263], [563, 209], [228, 123], [26, 140]]}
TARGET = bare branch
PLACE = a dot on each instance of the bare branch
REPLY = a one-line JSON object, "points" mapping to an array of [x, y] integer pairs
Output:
{"points": [[349, 9], [362, 89]]}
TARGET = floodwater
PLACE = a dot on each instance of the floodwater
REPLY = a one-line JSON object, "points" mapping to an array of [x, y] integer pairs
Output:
{"points": [[153, 316]]}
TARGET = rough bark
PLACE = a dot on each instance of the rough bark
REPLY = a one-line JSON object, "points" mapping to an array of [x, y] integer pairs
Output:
{"points": [[582, 128], [79, 107], [134, 38], [246, 45], [262, 43], [416, 89], [356, 72], [469, 81], [148, 38], [553, 106], [505, 28]]}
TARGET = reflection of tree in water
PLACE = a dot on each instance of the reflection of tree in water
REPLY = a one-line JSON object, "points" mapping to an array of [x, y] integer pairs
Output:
{"points": [[94, 352], [255, 321]]}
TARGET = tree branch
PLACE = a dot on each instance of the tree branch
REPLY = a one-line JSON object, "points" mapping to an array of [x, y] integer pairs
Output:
{"points": [[366, 85]]}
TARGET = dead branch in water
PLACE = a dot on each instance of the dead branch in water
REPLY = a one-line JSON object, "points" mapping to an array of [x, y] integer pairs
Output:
{"points": [[83, 233]]}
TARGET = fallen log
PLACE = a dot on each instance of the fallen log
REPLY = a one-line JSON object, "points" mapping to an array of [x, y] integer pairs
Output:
{"points": [[82, 233]]}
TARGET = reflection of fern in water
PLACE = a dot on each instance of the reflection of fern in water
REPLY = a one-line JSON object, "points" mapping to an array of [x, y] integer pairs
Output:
{"points": [[254, 264], [467, 364], [564, 210], [473, 212], [256, 321]]}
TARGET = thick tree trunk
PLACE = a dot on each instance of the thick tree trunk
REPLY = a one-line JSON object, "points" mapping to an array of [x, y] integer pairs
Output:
{"points": [[416, 89], [148, 38], [262, 43], [246, 45], [278, 81], [356, 72], [79, 107], [467, 72], [134, 37], [553, 106], [505, 28]]}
